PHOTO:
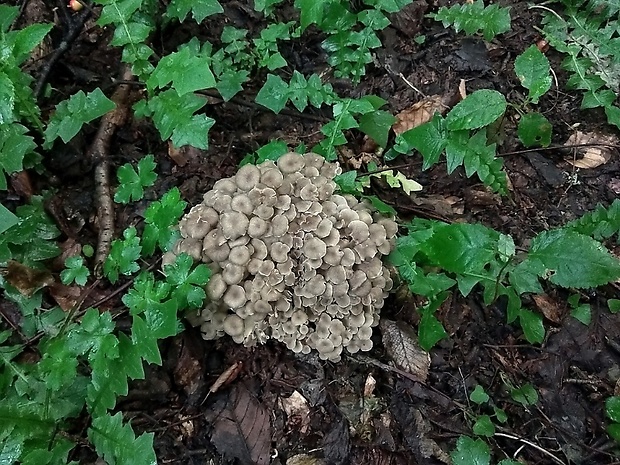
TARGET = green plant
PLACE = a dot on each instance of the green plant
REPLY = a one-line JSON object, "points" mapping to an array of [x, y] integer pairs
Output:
{"points": [[132, 183], [587, 33], [474, 17], [612, 410]]}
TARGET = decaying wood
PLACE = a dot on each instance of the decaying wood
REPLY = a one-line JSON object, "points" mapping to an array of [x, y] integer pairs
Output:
{"points": [[99, 154]]}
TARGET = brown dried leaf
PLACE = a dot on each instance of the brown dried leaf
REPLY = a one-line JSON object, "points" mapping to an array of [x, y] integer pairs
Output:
{"points": [[66, 297], [303, 459], [549, 307], [592, 156], [401, 344], [419, 113], [227, 377], [25, 279], [241, 428], [297, 412]]}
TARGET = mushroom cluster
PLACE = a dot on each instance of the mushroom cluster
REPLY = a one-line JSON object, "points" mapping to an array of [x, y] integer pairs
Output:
{"points": [[291, 259]]}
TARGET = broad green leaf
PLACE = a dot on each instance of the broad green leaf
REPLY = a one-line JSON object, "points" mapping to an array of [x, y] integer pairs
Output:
{"points": [[75, 271], [311, 11], [118, 11], [186, 71], [160, 217], [271, 151], [7, 219], [26, 39], [614, 305], [526, 395], [471, 452], [614, 431], [484, 426], [273, 94], [200, 9], [347, 182], [14, 146], [612, 408], [532, 325], [533, 70], [582, 313], [377, 125], [131, 33], [571, 260], [73, 113], [534, 130], [479, 109], [7, 16], [230, 83], [478, 395], [194, 132], [429, 139]]}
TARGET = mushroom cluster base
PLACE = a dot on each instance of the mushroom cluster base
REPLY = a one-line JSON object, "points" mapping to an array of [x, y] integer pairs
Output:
{"points": [[292, 260]]}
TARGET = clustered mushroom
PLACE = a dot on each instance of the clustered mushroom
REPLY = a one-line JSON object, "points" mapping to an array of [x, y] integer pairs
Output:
{"points": [[291, 259]]}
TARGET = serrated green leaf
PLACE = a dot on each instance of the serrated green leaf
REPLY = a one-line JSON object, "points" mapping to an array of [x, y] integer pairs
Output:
{"points": [[474, 17], [230, 83], [194, 132], [7, 104], [73, 113], [311, 11], [571, 260], [124, 255], [532, 325], [533, 70], [479, 109], [478, 395], [188, 72], [160, 217], [200, 9], [534, 130], [117, 443], [26, 39], [132, 183], [14, 146], [75, 271], [118, 12], [7, 16], [484, 426], [273, 94], [131, 33], [470, 452]]}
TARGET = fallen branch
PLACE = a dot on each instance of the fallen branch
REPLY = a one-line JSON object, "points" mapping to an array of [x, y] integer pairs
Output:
{"points": [[98, 152]]}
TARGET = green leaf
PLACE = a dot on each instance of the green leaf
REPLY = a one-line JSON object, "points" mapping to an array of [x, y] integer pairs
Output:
{"points": [[583, 313], [500, 415], [271, 151], [347, 182], [200, 9], [230, 83], [7, 16], [160, 217], [380, 205], [187, 283], [526, 395], [484, 426], [614, 431], [14, 146], [123, 257], [273, 94], [73, 113], [429, 139], [479, 109], [470, 452], [534, 130], [7, 219], [478, 395], [188, 72], [26, 39], [117, 443], [7, 104], [614, 305], [612, 408], [430, 330], [132, 183], [571, 260], [532, 325], [311, 11], [75, 271], [173, 116], [475, 17], [533, 70], [377, 125]]}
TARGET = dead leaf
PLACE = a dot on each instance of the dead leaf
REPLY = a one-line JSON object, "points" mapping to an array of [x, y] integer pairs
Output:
{"points": [[227, 377], [241, 428], [420, 113], [401, 344], [594, 156], [66, 297], [303, 459], [297, 412], [549, 307], [25, 279]]}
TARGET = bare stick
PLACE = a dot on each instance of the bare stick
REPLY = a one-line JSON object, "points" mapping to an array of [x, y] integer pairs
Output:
{"points": [[99, 154]]}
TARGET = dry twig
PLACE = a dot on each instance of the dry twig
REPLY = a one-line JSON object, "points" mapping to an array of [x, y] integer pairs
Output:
{"points": [[98, 152]]}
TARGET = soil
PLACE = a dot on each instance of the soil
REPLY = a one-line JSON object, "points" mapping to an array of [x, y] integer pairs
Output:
{"points": [[274, 405]]}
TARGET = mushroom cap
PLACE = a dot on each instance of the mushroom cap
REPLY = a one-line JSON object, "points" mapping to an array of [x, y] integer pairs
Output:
{"points": [[290, 162], [247, 177], [234, 325], [235, 296], [233, 224], [314, 248]]}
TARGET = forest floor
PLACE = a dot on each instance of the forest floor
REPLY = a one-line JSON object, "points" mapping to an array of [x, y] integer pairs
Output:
{"points": [[276, 404]]}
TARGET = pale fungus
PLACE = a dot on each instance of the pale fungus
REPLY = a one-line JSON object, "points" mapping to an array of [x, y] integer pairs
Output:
{"points": [[291, 259]]}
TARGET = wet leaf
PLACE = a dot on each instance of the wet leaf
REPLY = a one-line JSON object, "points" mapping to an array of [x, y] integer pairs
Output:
{"points": [[533, 70], [241, 428], [402, 346], [484, 426], [534, 130], [471, 452], [478, 395], [25, 279], [479, 109]]}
